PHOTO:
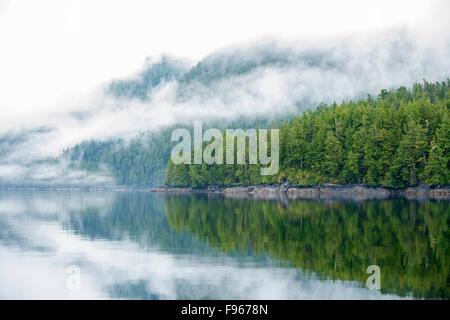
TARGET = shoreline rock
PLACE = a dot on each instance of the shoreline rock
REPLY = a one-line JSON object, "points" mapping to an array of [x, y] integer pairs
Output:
{"points": [[291, 192], [280, 192]]}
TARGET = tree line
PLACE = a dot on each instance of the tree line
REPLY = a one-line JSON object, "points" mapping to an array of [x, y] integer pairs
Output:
{"points": [[140, 161], [398, 139]]}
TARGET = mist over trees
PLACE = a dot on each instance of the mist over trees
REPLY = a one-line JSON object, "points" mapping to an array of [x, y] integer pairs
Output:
{"points": [[305, 73], [256, 85], [140, 161], [398, 139], [153, 75]]}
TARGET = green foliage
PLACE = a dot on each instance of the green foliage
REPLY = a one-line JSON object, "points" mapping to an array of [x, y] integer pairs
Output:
{"points": [[399, 139], [141, 86], [138, 162], [143, 160]]}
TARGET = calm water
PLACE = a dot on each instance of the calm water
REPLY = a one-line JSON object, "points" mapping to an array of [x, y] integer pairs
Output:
{"points": [[153, 246]]}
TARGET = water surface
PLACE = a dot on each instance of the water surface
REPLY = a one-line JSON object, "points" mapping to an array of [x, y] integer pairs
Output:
{"points": [[156, 246]]}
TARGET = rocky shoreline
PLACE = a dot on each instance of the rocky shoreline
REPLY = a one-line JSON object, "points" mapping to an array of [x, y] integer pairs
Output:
{"points": [[323, 191], [276, 192]]}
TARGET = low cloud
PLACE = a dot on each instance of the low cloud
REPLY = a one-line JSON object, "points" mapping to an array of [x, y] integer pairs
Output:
{"points": [[278, 77]]}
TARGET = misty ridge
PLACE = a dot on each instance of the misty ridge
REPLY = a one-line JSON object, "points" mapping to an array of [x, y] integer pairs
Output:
{"points": [[128, 121]]}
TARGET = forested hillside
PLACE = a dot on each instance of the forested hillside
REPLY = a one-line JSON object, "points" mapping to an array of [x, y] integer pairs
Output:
{"points": [[399, 138], [141, 161], [217, 67], [215, 74], [138, 162], [140, 87], [391, 139]]}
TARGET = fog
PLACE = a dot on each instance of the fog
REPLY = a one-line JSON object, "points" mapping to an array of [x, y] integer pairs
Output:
{"points": [[288, 75]]}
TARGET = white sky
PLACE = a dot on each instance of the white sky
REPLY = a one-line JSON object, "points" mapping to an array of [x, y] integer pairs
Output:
{"points": [[53, 50]]}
